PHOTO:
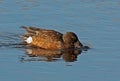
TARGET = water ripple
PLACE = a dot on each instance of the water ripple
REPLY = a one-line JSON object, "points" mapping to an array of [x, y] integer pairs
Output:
{"points": [[10, 40]]}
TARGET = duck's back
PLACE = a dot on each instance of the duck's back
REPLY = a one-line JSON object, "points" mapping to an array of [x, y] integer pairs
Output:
{"points": [[48, 39]]}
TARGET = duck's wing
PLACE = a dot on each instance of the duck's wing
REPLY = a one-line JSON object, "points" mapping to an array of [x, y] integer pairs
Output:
{"points": [[50, 40], [42, 33], [31, 30], [38, 31], [47, 39]]}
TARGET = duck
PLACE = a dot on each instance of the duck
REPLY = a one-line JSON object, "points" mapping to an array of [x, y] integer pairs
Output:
{"points": [[50, 39]]}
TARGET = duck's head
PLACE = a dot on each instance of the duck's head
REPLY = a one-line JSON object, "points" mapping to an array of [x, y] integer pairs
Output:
{"points": [[71, 40]]}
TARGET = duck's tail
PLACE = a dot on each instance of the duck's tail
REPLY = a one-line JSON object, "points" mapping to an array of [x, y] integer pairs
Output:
{"points": [[24, 37], [30, 30]]}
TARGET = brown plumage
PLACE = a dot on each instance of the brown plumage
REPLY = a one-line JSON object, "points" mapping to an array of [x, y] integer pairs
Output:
{"points": [[50, 39]]}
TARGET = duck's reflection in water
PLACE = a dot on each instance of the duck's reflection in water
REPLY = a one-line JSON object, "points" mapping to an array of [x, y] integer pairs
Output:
{"points": [[71, 55], [38, 54]]}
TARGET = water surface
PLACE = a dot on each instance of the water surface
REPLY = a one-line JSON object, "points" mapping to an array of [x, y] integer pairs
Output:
{"points": [[96, 23]]}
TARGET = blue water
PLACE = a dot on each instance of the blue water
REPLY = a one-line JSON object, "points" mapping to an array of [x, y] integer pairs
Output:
{"points": [[96, 23]]}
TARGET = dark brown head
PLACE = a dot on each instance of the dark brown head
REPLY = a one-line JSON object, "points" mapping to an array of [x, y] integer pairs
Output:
{"points": [[71, 40]]}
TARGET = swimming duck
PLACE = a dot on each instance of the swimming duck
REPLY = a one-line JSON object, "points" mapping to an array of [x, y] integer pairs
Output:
{"points": [[50, 39]]}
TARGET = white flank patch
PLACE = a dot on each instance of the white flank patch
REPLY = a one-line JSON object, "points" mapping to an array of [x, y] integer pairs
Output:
{"points": [[29, 40]]}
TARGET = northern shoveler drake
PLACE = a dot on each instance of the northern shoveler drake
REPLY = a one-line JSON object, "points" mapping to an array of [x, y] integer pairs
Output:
{"points": [[50, 39]]}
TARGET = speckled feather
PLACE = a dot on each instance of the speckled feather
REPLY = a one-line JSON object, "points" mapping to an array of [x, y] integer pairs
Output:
{"points": [[48, 39]]}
